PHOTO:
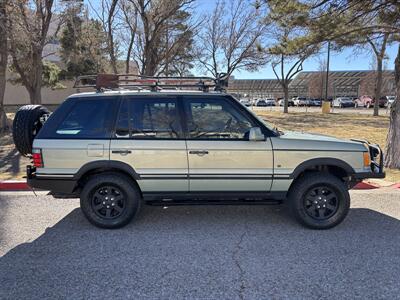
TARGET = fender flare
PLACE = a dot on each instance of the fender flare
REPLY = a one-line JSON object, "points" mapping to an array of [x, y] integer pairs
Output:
{"points": [[107, 165], [323, 161]]}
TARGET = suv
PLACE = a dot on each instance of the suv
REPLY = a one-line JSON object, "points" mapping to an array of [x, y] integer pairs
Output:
{"points": [[118, 149]]}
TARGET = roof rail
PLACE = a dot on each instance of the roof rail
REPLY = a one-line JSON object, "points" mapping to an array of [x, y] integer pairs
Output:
{"points": [[103, 82]]}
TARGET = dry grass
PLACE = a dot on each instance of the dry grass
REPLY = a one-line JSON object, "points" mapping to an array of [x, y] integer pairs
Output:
{"points": [[346, 125]]}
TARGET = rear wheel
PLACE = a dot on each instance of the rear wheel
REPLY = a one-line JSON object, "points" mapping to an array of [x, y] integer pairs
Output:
{"points": [[110, 200], [319, 200], [26, 125]]}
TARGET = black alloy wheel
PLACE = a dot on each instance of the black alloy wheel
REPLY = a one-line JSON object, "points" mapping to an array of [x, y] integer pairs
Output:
{"points": [[108, 202], [321, 202]]}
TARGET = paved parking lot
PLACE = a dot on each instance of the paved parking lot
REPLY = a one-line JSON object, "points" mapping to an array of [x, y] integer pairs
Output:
{"points": [[48, 250], [350, 110]]}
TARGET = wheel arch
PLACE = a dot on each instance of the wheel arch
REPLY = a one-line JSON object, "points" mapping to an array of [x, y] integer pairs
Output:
{"points": [[335, 166], [102, 166]]}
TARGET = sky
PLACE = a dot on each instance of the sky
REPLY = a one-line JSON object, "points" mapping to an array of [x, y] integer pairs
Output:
{"points": [[349, 59], [339, 61]]}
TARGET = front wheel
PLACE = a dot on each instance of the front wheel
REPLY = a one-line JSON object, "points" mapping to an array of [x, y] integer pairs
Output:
{"points": [[319, 200], [110, 200]]}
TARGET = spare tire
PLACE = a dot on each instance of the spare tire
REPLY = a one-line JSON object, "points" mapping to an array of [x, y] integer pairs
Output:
{"points": [[27, 123]]}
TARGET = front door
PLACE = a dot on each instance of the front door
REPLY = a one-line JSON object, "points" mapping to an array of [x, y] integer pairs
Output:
{"points": [[221, 157], [148, 137]]}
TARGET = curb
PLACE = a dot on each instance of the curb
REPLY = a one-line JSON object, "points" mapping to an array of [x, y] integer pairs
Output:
{"points": [[14, 185], [364, 185]]}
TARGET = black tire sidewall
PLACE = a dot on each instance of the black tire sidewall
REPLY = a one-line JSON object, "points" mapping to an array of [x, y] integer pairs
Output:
{"points": [[127, 187], [301, 187]]}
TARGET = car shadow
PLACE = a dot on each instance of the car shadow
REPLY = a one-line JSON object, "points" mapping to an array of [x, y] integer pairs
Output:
{"points": [[208, 252]]}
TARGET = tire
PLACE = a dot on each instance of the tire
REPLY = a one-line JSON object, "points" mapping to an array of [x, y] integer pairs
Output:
{"points": [[26, 126], [103, 194], [315, 215]]}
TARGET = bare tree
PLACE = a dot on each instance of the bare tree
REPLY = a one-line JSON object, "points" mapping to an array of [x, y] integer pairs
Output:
{"points": [[232, 38], [378, 45], [129, 19], [3, 62], [28, 26], [158, 41], [107, 13]]}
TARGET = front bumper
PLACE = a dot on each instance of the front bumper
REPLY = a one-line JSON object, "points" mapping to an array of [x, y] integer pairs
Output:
{"points": [[55, 185], [377, 159]]}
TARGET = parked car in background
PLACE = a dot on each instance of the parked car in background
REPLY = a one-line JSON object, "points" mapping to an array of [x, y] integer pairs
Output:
{"points": [[390, 100], [270, 101], [315, 102], [343, 102], [245, 102], [367, 101], [301, 101], [281, 102], [266, 102]]}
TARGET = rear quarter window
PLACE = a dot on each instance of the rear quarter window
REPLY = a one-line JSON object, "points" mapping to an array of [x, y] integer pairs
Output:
{"points": [[82, 118]]}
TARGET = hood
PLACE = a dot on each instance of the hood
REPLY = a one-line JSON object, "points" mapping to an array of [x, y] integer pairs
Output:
{"points": [[303, 141]]}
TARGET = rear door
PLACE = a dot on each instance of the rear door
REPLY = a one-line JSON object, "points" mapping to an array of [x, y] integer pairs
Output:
{"points": [[148, 137], [221, 157]]}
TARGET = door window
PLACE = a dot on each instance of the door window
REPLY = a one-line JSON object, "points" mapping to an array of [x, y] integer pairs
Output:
{"points": [[149, 119], [216, 119]]}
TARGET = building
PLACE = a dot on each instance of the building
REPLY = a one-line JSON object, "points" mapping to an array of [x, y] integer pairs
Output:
{"points": [[312, 84]]}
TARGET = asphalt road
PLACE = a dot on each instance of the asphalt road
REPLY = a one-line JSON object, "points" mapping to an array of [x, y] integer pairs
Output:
{"points": [[350, 110], [48, 250]]}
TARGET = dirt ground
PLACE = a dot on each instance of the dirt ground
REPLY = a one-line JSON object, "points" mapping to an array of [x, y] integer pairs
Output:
{"points": [[343, 125]]}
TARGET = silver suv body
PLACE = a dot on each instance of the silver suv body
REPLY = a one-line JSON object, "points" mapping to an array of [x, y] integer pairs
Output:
{"points": [[177, 147]]}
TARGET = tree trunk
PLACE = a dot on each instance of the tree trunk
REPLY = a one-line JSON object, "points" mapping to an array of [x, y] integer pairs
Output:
{"points": [[392, 158], [378, 85], [35, 95], [286, 102], [3, 64]]}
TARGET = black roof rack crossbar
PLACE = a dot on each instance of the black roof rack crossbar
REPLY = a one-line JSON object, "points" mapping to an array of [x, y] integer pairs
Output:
{"points": [[103, 82]]}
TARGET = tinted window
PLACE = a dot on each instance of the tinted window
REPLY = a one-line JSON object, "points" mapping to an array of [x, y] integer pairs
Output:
{"points": [[91, 118], [149, 119], [215, 119]]}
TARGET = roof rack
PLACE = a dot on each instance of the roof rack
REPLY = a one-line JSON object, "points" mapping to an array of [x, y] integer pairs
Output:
{"points": [[102, 82]]}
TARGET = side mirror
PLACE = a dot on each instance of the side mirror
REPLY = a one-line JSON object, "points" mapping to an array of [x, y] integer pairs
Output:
{"points": [[255, 134]]}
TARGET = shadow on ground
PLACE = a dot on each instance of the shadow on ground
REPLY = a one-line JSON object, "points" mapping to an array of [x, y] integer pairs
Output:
{"points": [[219, 252]]}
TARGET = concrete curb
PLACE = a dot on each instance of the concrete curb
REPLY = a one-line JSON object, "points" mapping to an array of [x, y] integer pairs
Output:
{"points": [[21, 185]]}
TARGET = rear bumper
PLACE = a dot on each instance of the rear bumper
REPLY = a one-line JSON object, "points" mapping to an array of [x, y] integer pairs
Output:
{"points": [[55, 185], [365, 175]]}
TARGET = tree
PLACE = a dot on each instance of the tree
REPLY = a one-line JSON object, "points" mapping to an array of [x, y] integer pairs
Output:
{"points": [[3, 63], [28, 26], [82, 44], [129, 29], [330, 26], [164, 33], [392, 158], [293, 43], [232, 38]]}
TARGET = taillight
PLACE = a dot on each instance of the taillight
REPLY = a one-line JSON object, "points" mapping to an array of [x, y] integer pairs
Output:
{"points": [[37, 158]]}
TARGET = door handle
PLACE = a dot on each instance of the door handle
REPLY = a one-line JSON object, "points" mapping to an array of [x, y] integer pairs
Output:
{"points": [[122, 152], [198, 152]]}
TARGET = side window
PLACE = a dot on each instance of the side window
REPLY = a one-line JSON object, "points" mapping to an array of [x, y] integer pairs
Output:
{"points": [[91, 118], [149, 119], [216, 119]]}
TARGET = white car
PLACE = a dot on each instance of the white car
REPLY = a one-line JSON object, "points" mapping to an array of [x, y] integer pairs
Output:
{"points": [[245, 102]]}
